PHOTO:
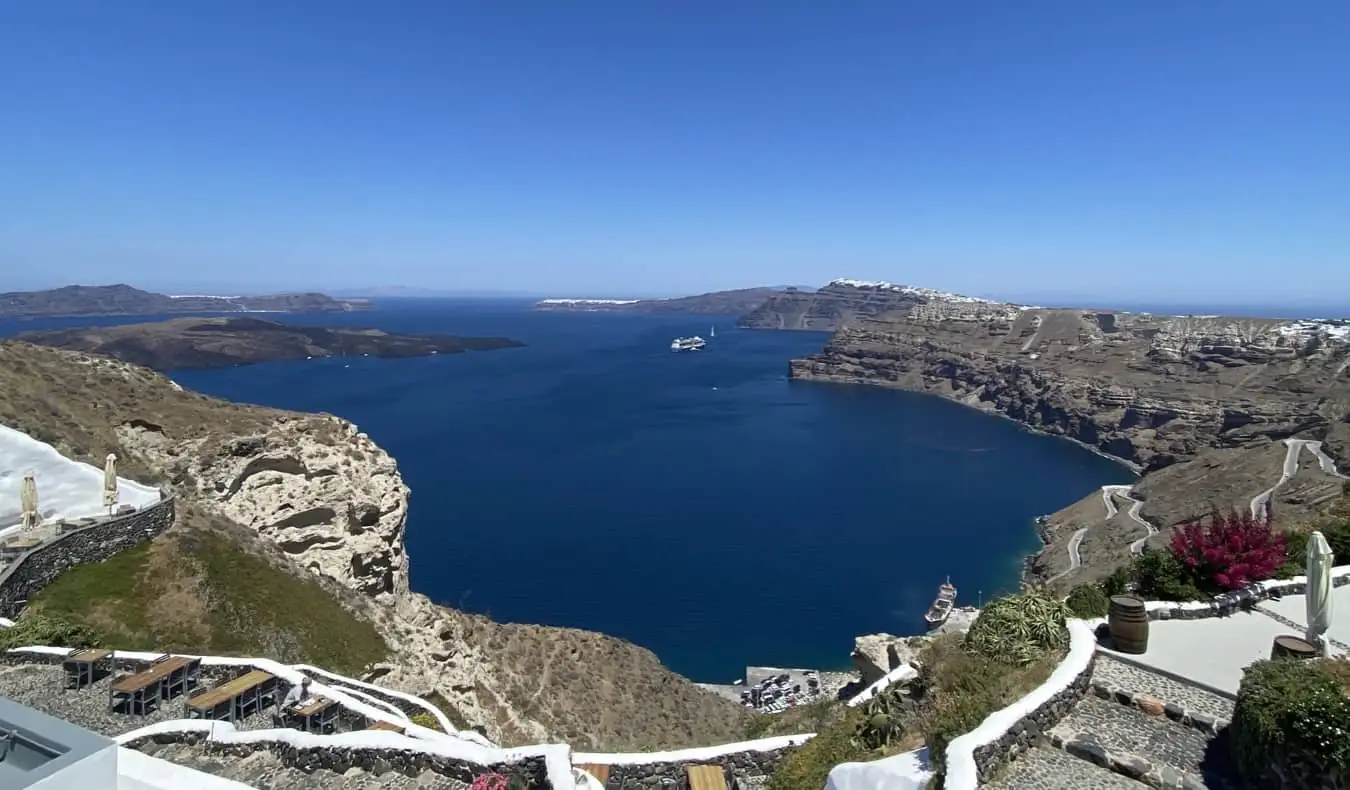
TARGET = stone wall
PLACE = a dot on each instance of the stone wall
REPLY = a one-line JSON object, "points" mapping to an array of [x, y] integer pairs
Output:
{"points": [[1033, 727], [737, 765], [375, 761], [1228, 603], [41, 565]]}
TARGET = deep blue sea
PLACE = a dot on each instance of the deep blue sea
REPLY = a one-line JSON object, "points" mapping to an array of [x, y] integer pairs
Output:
{"points": [[701, 505]]}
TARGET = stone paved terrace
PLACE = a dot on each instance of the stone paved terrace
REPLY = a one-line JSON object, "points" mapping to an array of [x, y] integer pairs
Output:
{"points": [[264, 771], [1230, 644], [1150, 729]]}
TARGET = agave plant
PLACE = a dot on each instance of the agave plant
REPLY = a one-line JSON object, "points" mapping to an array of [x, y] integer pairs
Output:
{"points": [[883, 720], [1019, 629]]}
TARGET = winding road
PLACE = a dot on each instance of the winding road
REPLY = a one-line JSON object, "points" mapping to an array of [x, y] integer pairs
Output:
{"points": [[1259, 502]]}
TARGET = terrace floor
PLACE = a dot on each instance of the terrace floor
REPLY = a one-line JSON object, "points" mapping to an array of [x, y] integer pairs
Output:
{"points": [[1214, 651]]}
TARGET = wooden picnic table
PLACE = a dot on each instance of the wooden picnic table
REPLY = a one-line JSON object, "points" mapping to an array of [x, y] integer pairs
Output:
{"points": [[161, 677], [79, 666], [316, 713], [236, 695]]}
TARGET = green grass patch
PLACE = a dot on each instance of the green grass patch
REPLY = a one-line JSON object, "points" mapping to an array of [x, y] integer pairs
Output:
{"points": [[203, 593], [451, 712]]}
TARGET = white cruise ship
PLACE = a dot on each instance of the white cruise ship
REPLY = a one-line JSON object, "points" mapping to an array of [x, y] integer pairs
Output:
{"points": [[694, 343]]}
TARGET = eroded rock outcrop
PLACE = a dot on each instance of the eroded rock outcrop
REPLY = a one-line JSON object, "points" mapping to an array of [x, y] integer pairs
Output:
{"points": [[335, 504]]}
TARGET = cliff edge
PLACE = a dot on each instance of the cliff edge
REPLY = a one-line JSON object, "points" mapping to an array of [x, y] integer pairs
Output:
{"points": [[315, 497], [1196, 403]]}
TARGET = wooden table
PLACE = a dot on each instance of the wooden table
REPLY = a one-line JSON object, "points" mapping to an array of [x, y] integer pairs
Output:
{"points": [[234, 697], [162, 677], [316, 713], [79, 666], [706, 777]]}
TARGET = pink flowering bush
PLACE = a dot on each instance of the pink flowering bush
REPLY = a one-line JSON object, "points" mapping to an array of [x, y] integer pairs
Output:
{"points": [[489, 782], [1231, 551]]}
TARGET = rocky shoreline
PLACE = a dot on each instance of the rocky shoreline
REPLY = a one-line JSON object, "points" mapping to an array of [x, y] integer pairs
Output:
{"points": [[1192, 404]]}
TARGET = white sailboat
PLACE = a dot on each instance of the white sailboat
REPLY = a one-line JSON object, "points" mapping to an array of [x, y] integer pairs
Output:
{"points": [[712, 331]]}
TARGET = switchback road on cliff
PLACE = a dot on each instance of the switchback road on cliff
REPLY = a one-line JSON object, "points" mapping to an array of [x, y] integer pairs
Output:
{"points": [[1132, 513], [1261, 501]]}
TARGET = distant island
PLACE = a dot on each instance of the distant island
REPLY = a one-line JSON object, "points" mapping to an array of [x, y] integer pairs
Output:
{"points": [[735, 302], [77, 300], [198, 343]]}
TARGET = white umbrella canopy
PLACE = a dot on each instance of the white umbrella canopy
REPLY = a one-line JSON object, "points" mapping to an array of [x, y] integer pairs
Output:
{"points": [[28, 500], [110, 482], [1318, 599]]}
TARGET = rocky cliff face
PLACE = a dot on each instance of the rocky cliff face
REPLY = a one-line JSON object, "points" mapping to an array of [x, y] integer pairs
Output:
{"points": [[335, 504], [842, 303], [1156, 391]]}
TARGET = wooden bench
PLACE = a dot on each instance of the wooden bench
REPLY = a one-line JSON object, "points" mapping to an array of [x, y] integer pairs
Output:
{"points": [[600, 772], [706, 777], [156, 681], [79, 666], [233, 695], [387, 727]]}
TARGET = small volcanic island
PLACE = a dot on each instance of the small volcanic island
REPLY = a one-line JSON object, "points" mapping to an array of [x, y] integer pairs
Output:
{"points": [[200, 343]]}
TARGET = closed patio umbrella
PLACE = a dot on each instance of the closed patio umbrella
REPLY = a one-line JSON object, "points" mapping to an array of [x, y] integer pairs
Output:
{"points": [[28, 501], [110, 483], [1319, 590]]}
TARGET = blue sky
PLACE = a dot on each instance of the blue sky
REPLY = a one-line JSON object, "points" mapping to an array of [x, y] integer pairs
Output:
{"points": [[1195, 151]]}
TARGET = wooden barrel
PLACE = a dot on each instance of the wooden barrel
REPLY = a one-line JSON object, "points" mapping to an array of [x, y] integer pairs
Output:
{"points": [[1293, 647], [1128, 621]]}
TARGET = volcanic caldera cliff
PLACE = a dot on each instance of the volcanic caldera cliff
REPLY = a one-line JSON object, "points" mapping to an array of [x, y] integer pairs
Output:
{"points": [[1195, 402]]}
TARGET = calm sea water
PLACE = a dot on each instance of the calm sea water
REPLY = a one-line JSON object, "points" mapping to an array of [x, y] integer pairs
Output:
{"points": [[701, 505]]}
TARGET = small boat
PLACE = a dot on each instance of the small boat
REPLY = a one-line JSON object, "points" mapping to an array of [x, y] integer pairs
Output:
{"points": [[712, 331], [694, 343], [941, 608]]}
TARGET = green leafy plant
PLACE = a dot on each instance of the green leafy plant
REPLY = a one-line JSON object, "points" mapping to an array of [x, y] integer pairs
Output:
{"points": [[882, 723], [806, 768], [1088, 601], [38, 628], [1117, 583], [1161, 576], [1291, 712], [1019, 629], [425, 719]]}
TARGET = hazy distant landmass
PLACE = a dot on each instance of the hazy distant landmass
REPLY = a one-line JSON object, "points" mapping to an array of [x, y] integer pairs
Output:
{"points": [[73, 300], [197, 343], [734, 302]]}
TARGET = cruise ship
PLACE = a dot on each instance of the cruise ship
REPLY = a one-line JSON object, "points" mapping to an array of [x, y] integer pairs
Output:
{"points": [[694, 343]]}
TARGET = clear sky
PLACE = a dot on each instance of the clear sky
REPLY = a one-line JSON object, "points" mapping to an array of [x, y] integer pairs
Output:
{"points": [[1190, 150]]}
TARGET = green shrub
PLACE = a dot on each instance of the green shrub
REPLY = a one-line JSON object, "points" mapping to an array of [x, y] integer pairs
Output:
{"points": [[39, 628], [1020, 629], [806, 768], [1088, 601], [1161, 576], [1291, 711], [425, 719], [883, 719], [1117, 583]]}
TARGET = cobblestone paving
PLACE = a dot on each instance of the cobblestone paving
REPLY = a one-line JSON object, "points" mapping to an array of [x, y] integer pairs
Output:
{"points": [[264, 771], [1132, 678], [1164, 743], [42, 687], [1046, 768]]}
